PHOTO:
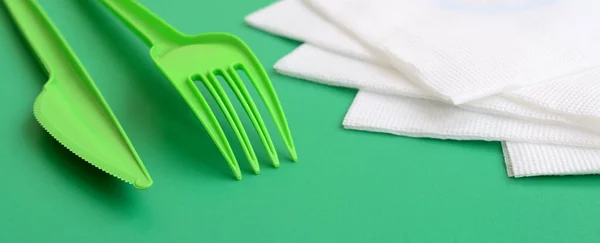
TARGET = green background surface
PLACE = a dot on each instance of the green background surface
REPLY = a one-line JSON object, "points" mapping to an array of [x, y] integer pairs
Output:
{"points": [[348, 186]]}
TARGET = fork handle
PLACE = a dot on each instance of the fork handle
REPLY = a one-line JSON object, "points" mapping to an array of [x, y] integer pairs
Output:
{"points": [[145, 24]]}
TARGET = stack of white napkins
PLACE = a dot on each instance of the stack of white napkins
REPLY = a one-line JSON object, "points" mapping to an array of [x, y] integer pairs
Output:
{"points": [[524, 72]]}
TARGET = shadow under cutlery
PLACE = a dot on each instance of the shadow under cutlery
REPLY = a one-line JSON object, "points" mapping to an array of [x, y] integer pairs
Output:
{"points": [[84, 177]]}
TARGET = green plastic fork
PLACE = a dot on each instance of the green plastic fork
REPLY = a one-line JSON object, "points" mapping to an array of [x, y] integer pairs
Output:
{"points": [[184, 59], [70, 107]]}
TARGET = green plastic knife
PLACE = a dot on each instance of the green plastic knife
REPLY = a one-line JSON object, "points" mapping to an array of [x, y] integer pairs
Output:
{"points": [[70, 107]]}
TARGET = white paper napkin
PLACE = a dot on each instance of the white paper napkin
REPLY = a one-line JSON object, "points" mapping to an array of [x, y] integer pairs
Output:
{"points": [[528, 159], [520, 159], [369, 113], [314, 64], [420, 118], [423, 118], [466, 50], [545, 102]]}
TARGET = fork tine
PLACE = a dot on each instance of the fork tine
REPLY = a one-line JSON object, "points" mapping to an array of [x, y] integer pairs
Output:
{"points": [[262, 83], [238, 87], [216, 90], [202, 110]]}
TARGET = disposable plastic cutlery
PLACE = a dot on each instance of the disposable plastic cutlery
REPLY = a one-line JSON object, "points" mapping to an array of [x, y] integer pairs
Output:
{"points": [[184, 59], [70, 107]]}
